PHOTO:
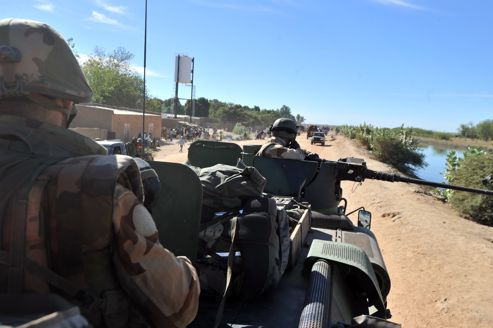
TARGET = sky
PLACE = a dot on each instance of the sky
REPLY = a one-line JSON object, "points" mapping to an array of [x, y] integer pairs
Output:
{"points": [[421, 63]]}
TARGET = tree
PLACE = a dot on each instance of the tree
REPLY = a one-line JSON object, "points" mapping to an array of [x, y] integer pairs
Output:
{"points": [[299, 119], [485, 129], [201, 107], [167, 107], [154, 105], [112, 80], [468, 130], [285, 111]]}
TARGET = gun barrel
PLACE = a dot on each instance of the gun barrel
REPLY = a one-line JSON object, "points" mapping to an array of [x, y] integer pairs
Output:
{"points": [[399, 178]]}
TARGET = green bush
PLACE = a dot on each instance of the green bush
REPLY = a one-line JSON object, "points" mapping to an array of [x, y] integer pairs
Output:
{"points": [[470, 172], [240, 129], [393, 151], [443, 135], [485, 129], [397, 146]]}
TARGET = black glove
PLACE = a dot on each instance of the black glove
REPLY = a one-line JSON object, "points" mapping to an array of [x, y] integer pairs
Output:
{"points": [[294, 145], [312, 157]]}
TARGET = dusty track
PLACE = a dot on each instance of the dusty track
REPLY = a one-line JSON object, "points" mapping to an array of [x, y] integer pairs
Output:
{"points": [[441, 265]]}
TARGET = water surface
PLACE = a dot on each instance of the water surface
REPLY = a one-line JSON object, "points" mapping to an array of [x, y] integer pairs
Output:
{"points": [[436, 157]]}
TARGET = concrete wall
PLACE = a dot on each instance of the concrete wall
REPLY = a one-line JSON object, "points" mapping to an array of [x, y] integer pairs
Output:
{"points": [[134, 125], [101, 122], [92, 117], [170, 123]]}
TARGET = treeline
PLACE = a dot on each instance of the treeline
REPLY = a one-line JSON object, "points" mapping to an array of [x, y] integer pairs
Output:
{"points": [[114, 83], [483, 130], [433, 134], [230, 112]]}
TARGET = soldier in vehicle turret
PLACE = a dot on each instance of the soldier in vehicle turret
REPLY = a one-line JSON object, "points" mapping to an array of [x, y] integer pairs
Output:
{"points": [[283, 143], [73, 220]]}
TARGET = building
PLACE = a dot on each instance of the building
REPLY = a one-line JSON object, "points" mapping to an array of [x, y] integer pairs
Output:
{"points": [[97, 121]]}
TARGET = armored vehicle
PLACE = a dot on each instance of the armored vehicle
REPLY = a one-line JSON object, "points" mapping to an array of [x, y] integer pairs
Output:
{"points": [[318, 138], [323, 269], [335, 274], [311, 130]]}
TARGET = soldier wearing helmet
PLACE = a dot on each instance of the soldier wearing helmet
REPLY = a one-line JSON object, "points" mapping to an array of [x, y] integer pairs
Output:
{"points": [[283, 143], [72, 220]]}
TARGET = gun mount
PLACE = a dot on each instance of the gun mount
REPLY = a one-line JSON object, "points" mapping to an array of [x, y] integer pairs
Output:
{"points": [[354, 169]]}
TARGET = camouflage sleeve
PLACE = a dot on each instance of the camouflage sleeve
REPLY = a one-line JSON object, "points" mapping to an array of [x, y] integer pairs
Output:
{"points": [[165, 285], [279, 151]]}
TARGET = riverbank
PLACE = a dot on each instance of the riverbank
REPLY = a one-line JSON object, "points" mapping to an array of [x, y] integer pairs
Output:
{"points": [[456, 143]]}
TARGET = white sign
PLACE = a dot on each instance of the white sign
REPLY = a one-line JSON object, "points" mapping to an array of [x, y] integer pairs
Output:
{"points": [[183, 69]]}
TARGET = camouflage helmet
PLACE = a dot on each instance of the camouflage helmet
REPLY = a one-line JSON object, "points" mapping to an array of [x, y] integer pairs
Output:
{"points": [[286, 124], [34, 58], [285, 128]]}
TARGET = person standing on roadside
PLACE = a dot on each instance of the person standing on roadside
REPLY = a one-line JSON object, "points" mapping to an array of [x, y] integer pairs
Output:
{"points": [[72, 218], [181, 142]]}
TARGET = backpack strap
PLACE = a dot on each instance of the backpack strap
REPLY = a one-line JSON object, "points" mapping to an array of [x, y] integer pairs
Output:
{"points": [[17, 231], [16, 227], [229, 273], [27, 201]]}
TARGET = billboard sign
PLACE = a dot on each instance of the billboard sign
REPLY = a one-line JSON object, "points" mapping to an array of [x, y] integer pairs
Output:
{"points": [[183, 69]]}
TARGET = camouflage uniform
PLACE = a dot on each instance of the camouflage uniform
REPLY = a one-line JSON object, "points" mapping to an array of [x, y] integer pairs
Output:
{"points": [[277, 148], [72, 221]]}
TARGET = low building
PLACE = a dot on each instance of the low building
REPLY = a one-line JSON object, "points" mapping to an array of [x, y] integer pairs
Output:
{"points": [[97, 121]]}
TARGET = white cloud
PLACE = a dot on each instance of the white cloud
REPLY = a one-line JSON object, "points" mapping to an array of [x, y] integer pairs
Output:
{"points": [[111, 8], [102, 18], [82, 58], [150, 73], [400, 3], [45, 6]]}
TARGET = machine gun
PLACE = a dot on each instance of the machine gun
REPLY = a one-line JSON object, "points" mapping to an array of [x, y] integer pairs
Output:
{"points": [[354, 169], [319, 182]]}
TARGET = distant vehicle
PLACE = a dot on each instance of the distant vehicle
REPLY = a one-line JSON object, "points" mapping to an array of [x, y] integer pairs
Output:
{"points": [[114, 147], [318, 137], [311, 129]]}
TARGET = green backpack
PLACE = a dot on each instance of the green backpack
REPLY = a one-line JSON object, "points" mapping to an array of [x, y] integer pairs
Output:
{"points": [[227, 187]]}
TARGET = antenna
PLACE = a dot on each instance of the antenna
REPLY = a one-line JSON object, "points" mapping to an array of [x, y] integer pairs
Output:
{"points": [[144, 95]]}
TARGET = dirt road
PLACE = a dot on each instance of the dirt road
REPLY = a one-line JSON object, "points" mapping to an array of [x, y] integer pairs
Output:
{"points": [[440, 264]]}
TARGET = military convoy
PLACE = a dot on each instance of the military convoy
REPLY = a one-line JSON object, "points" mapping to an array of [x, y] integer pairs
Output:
{"points": [[333, 272]]}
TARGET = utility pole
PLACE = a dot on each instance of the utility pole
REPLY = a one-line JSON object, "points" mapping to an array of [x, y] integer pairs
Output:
{"points": [[192, 110], [144, 95]]}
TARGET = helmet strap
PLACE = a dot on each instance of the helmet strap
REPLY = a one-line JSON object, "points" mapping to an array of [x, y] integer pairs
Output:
{"points": [[73, 113]]}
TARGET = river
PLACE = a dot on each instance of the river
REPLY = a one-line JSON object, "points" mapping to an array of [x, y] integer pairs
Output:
{"points": [[436, 157]]}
